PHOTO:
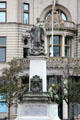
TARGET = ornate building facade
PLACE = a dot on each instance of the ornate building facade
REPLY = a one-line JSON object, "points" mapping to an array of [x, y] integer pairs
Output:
{"points": [[17, 17]]}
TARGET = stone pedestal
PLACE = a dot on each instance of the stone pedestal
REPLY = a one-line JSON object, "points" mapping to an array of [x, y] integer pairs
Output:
{"points": [[38, 67], [37, 107]]}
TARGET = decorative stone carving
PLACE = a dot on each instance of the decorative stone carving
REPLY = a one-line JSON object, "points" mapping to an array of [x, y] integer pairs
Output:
{"points": [[58, 21], [36, 84], [37, 51]]}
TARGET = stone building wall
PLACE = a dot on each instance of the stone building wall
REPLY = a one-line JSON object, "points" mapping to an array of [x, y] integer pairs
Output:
{"points": [[15, 30], [14, 26]]}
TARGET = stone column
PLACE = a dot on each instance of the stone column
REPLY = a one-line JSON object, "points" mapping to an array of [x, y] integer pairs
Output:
{"points": [[65, 110], [46, 45], [63, 46], [38, 67]]}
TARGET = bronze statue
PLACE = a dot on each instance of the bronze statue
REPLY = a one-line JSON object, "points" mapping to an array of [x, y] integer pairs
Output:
{"points": [[37, 36], [36, 39]]}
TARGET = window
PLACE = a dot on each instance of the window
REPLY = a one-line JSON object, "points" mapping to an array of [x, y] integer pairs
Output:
{"points": [[2, 49], [25, 41], [62, 14], [67, 46], [26, 52], [3, 107], [2, 11], [26, 48], [56, 48], [25, 81], [26, 13]]}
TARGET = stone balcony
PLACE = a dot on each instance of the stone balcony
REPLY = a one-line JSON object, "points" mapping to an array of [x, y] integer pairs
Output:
{"points": [[64, 25], [58, 65], [58, 62], [61, 62], [62, 65]]}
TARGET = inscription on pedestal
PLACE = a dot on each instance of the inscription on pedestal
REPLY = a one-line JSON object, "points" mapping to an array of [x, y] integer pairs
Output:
{"points": [[33, 110]]}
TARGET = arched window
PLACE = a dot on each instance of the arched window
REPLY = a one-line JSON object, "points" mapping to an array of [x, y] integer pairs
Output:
{"points": [[60, 12], [63, 15]]}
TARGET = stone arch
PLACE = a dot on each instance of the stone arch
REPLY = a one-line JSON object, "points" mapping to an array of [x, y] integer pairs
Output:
{"points": [[62, 8]]}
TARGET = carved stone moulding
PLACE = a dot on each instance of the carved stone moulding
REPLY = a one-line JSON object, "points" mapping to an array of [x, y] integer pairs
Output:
{"points": [[36, 84], [37, 51]]}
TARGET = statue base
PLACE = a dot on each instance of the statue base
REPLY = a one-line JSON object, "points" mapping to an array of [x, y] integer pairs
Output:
{"points": [[37, 51], [37, 106]]}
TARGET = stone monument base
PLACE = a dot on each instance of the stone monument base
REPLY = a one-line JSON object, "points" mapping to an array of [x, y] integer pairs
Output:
{"points": [[37, 107], [38, 112]]}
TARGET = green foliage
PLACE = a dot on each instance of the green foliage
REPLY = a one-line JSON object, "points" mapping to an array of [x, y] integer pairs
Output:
{"points": [[55, 92], [69, 92], [9, 86]]}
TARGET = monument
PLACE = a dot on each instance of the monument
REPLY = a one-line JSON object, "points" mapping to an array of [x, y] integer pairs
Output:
{"points": [[36, 104]]}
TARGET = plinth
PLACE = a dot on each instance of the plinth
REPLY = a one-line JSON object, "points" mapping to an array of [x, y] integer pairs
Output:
{"points": [[37, 106]]}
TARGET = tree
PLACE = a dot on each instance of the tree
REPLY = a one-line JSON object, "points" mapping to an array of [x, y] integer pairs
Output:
{"points": [[69, 87], [9, 85]]}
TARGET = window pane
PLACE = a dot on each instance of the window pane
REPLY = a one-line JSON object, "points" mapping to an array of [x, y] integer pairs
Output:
{"points": [[26, 52], [56, 40], [2, 41], [66, 51], [56, 51], [2, 54], [51, 40], [2, 5], [26, 7], [51, 52], [25, 18], [67, 41], [2, 16], [3, 106], [25, 41], [63, 16]]}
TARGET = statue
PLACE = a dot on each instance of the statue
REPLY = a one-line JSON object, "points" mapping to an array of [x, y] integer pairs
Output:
{"points": [[37, 36], [37, 39]]}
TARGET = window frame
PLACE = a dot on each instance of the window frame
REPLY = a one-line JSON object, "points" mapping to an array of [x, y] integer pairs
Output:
{"points": [[24, 52], [25, 46], [3, 46], [4, 10], [68, 46], [26, 11], [55, 45]]}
